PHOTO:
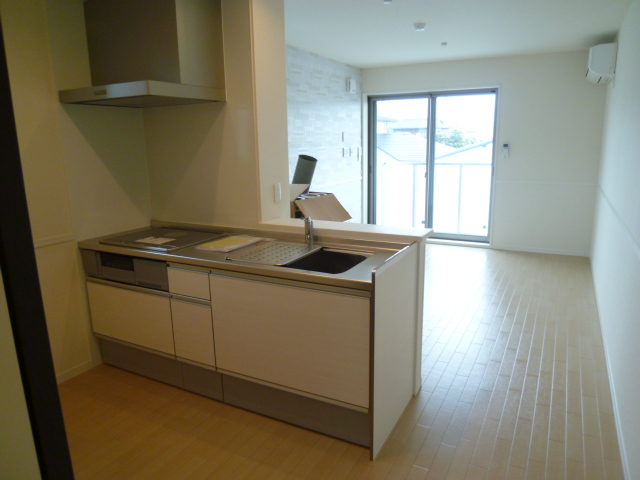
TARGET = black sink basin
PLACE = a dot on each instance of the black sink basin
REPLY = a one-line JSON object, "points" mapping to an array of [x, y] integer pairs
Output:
{"points": [[328, 261]]}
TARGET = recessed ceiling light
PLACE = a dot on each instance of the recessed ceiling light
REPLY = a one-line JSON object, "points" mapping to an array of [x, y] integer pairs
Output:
{"points": [[419, 26], [387, 2]]}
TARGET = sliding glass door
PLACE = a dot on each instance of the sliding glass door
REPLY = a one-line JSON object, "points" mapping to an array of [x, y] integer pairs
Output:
{"points": [[431, 162]]}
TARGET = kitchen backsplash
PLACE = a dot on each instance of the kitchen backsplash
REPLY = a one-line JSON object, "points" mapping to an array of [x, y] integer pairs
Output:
{"points": [[325, 121]]}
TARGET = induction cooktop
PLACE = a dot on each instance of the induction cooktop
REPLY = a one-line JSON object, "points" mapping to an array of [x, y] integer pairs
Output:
{"points": [[160, 239]]}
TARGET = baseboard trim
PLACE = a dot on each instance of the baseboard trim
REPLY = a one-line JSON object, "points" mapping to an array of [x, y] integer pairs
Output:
{"points": [[458, 243], [550, 251], [69, 374], [616, 413]]}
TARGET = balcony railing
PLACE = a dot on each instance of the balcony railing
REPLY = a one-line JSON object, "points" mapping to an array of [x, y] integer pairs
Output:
{"points": [[461, 197]]}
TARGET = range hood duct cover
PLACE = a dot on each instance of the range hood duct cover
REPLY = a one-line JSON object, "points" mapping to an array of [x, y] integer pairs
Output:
{"points": [[149, 53]]}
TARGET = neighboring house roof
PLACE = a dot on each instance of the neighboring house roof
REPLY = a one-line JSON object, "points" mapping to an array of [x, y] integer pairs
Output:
{"points": [[384, 157], [419, 124], [412, 124], [407, 148]]}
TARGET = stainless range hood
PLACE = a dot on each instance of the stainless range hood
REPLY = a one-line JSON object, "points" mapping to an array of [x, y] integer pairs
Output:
{"points": [[143, 93], [150, 53]]}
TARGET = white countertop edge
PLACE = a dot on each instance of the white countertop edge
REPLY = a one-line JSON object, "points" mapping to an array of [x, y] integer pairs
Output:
{"points": [[326, 231], [357, 231]]}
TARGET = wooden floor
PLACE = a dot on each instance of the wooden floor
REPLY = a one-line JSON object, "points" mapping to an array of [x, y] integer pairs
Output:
{"points": [[514, 387]]}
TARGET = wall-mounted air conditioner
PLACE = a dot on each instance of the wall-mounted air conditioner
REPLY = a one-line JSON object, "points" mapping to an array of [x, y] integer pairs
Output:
{"points": [[602, 63]]}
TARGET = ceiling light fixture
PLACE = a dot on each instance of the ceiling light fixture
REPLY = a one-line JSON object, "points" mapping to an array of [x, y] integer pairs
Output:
{"points": [[419, 27], [387, 2]]}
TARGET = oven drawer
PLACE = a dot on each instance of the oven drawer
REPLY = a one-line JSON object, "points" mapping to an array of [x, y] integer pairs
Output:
{"points": [[126, 269]]}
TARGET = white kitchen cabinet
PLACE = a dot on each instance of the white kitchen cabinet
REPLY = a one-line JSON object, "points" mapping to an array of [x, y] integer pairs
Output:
{"points": [[192, 283], [303, 339], [193, 331], [132, 314]]}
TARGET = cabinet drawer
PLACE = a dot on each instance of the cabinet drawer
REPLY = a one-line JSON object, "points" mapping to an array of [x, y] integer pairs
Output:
{"points": [[308, 340], [191, 283], [132, 316], [193, 331]]}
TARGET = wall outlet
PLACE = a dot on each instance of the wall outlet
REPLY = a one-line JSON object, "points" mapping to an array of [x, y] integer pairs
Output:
{"points": [[277, 192], [352, 85]]}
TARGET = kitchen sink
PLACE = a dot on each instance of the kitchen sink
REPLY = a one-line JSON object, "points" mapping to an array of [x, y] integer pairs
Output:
{"points": [[328, 260]]}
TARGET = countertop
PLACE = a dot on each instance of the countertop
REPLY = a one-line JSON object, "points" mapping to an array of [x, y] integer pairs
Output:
{"points": [[359, 277]]}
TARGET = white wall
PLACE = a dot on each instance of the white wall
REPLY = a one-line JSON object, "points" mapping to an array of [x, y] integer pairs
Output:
{"points": [[91, 171], [210, 164], [616, 248], [42, 150], [103, 148], [215, 164], [324, 119], [269, 73], [202, 158], [544, 193]]}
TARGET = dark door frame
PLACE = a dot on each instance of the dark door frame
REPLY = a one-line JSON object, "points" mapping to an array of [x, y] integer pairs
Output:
{"points": [[24, 300]]}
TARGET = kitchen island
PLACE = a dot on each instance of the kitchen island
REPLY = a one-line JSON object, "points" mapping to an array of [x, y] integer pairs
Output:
{"points": [[334, 352]]}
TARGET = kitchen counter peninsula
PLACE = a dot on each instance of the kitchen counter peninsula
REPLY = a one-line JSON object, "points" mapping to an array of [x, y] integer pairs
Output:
{"points": [[338, 353]]}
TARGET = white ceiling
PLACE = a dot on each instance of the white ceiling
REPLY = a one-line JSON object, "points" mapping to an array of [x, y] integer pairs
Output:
{"points": [[368, 33]]}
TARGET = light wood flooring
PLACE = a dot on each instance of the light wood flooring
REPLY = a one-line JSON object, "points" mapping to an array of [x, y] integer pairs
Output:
{"points": [[514, 387]]}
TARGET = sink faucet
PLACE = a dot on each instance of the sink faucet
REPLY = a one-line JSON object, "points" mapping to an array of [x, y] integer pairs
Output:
{"points": [[308, 231]]}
